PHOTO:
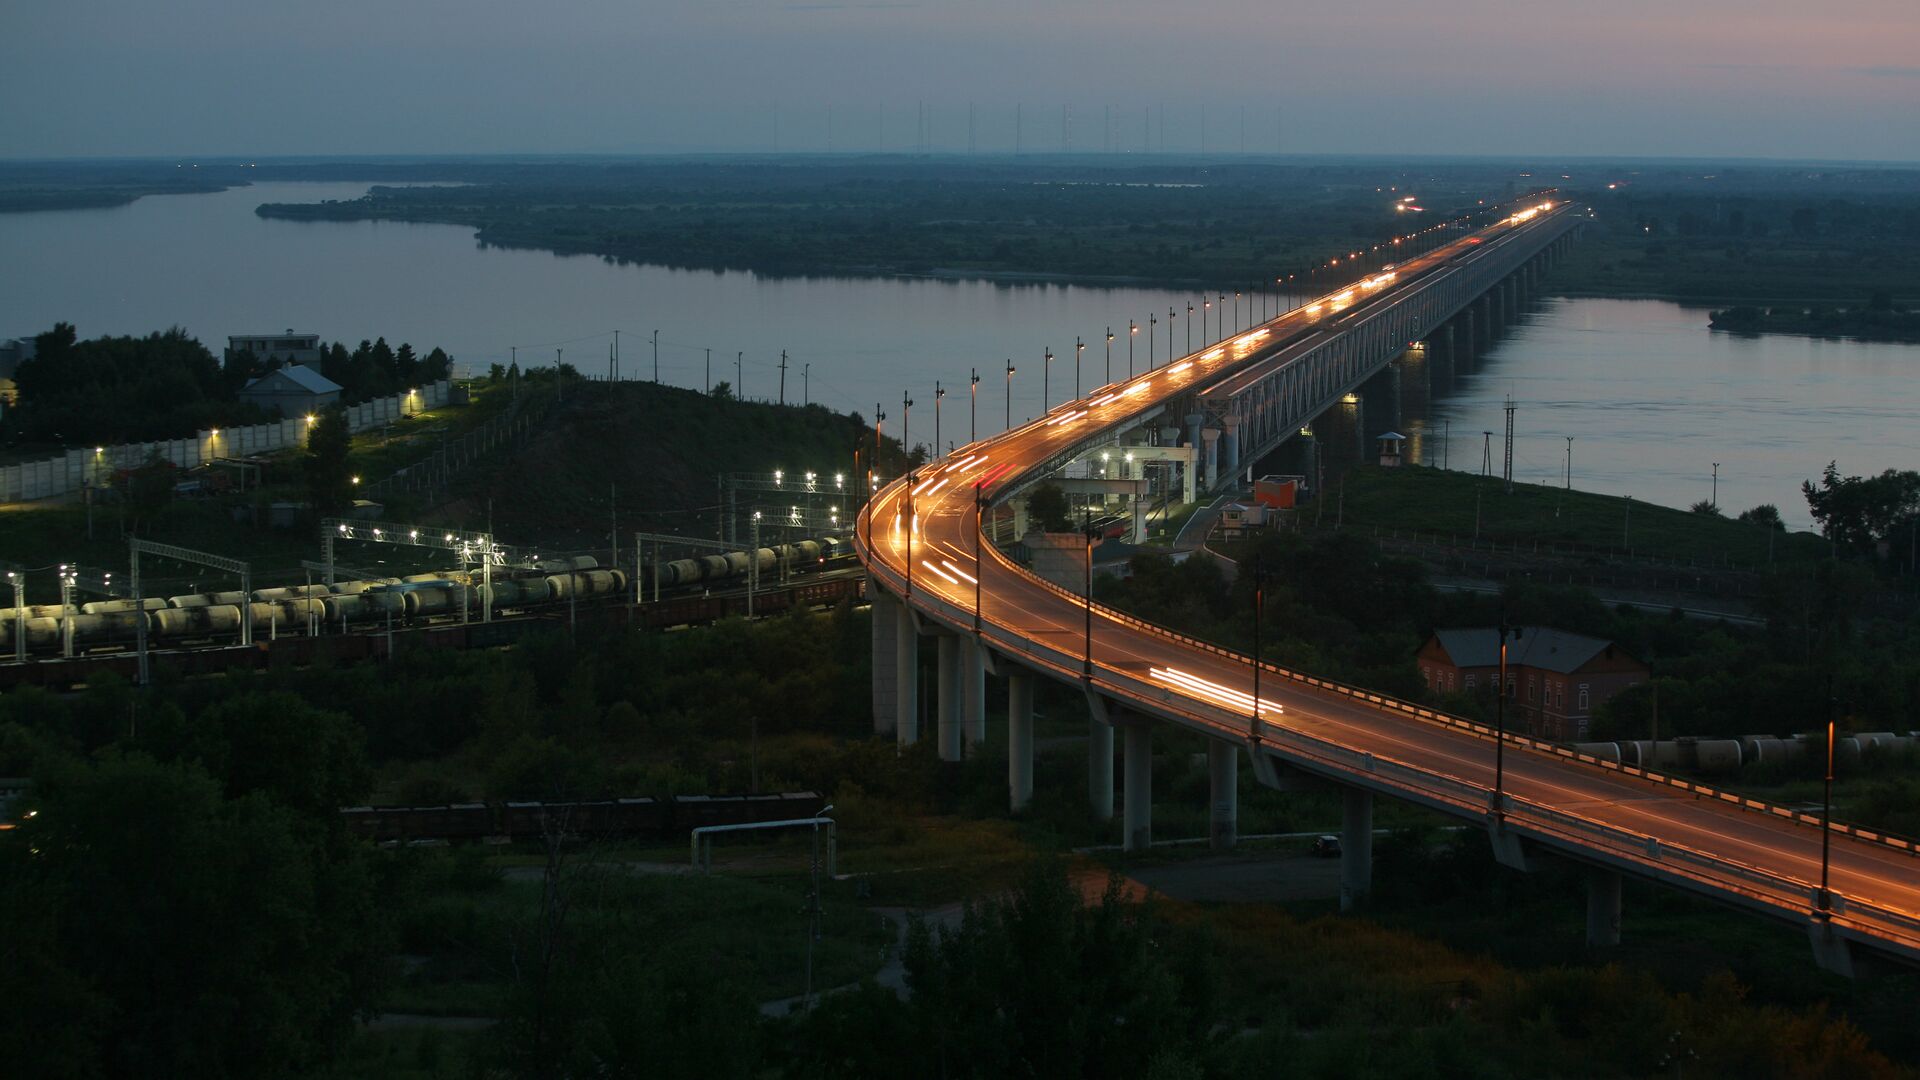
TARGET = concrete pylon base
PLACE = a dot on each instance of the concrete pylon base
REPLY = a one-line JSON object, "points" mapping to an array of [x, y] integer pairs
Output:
{"points": [[1356, 847], [1020, 741], [1223, 790], [1138, 758]]}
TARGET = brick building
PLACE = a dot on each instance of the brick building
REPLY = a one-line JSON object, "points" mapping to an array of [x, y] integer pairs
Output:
{"points": [[1555, 679]]}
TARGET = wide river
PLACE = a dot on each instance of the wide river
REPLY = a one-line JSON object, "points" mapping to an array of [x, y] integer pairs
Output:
{"points": [[1651, 396]]}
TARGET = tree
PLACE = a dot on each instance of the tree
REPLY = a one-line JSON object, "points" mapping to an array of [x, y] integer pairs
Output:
{"points": [[182, 933], [1766, 515], [1704, 508], [149, 488], [329, 473], [1047, 505], [723, 391], [1857, 512]]}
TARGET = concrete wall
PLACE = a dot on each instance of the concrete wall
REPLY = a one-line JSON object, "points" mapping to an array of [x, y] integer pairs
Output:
{"points": [[71, 470]]}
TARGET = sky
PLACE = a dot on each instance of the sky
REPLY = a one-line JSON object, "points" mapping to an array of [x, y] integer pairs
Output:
{"points": [[1625, 78]]}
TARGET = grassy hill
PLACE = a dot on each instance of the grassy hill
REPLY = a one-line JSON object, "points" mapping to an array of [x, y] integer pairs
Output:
{"points": [[651, 457]]}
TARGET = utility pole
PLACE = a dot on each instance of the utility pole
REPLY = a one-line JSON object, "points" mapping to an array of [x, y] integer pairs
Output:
{"points": [[656, 356], [616, 356], [1509, 449], [783, 376], [806, 383], [1716, 485], [739, 376], [709, 370], [559, 376]]}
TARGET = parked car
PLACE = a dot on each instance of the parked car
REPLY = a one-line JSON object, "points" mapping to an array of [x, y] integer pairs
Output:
{"points": [[1326, 847]]}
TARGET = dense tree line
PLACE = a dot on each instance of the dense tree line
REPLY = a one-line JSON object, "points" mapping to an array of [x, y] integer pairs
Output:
{"points": [[167, 385], [122, 389]]}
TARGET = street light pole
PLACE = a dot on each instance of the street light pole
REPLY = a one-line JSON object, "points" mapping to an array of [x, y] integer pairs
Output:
{"points": [[1133, 331], [973, 406], [1086, 529], [1152, 321], [1009, 393], [1826, 820], [1206, 306], [1190, 326], [906, 417], [1109, 378], [1046, 378], [1170, 315], [1500, 721], [1259, 616], [938, 393], [1078, 348]]}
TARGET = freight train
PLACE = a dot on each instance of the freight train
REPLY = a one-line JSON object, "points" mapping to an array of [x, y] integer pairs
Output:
{"points": [[589, 820], [205, 617]]}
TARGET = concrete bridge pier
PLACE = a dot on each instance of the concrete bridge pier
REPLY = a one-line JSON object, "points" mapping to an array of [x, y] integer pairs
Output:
{"points": [[947, 698], [1481, 318], [1019, 518], [906, 657], [1380, 398], [1603, 908], [973, 687], [1100, 768], [1223, 790], [1230, 445], [1210, 447], [1356, 847], [1020, 740], [886, 614], [1137, 753], [1416, 383]]}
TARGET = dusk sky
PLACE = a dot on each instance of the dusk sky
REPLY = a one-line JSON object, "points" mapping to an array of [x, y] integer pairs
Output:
{"points": [[1747, 78]]}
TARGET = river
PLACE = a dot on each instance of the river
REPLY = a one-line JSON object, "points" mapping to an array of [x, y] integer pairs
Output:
{"points": [[1651, 396]]}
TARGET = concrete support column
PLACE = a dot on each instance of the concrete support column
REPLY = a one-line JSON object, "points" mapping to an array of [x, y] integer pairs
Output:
{"points": [[886, 703], [1230, 446], [1139, 520], [906, 655], [1210, 449], [1190, 478], [1138, 756], [1020, 742], [1100, 769], [1603, 908], [1019, 519], [947, 698], [1223, 789], [1356, 847], [973, 686]]}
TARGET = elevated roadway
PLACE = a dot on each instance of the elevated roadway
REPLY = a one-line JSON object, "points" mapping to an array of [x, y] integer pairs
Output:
{"points": [[922, 543]]}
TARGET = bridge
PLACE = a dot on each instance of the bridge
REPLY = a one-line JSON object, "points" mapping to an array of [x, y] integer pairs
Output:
{"points": [[936, 572]]}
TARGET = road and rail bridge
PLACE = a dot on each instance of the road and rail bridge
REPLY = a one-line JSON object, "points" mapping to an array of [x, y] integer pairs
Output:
{"points": [[935, 571]]}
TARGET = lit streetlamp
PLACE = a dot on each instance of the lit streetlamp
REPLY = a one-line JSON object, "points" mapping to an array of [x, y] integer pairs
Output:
{"points": [[973, 406], [1009, 393], [938, 393], [1133, 331], [1109, 377], [1046, 377], [1078, 348]]}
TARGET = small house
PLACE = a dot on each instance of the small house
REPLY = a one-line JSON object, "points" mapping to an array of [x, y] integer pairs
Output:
{"points": [[1555, 679], [293, 390]]}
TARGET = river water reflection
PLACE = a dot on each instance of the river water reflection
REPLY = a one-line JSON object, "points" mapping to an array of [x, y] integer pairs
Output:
{"points": [[1651, 396]]}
